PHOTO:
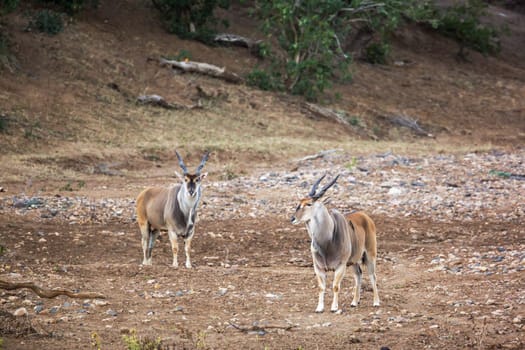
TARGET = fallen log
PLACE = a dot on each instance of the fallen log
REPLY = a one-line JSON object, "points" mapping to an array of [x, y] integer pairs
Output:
{"points": [[49, 293], [202, 68]]}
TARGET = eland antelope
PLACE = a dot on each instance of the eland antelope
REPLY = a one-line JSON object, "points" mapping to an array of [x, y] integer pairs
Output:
{"points": [[337, 240], [173, 209]]}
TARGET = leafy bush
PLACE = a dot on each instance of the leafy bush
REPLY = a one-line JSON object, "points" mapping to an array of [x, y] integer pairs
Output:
{"points": [[462, 22], [263, 80], [308, 33], [191, 19], [47, 21]]}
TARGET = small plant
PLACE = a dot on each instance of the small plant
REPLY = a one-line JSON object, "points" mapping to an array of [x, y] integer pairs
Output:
{"points": [[201, 340], [354, 121], [47, 21], [352, 164], [134, 342], [377, 53], [2, 251], [69, 186], [3, 121], [96, 342]]}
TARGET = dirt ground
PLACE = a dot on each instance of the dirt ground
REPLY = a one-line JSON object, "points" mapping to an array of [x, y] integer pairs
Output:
{"points": [[76, 150], [443, 284]]}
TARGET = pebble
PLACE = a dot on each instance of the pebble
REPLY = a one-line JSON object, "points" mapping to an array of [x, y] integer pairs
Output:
{"points": [[20, 312]]}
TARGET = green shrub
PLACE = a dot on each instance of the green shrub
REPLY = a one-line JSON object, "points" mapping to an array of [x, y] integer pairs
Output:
{"points": [[47, 21], [377, 53], [263, 80], [191, 19], [462, 23]]}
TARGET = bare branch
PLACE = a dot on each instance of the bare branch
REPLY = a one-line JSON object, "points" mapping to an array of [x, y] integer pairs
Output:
{"points": [[49, 293], [321, 154], [257, 328]]}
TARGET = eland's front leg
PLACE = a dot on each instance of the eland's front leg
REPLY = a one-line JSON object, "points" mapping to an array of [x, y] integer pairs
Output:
{"points": [[338, 277], [174, 246], [187, 249], [321, 281]]}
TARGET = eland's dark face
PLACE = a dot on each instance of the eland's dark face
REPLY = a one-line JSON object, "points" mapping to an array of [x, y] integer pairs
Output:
{"points": [[193, 183]]}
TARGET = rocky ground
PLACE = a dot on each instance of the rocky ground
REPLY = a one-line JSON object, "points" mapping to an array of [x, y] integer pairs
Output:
{"points": [[450, 269]]}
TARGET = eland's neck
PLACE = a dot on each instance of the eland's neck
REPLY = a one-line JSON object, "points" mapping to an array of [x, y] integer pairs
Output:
{"points": [[187, 203], [321, 225]]}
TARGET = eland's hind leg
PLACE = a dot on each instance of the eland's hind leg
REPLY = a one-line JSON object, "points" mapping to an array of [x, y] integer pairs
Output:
{"points": [[357, 287], [145, 232], [371, 267]]}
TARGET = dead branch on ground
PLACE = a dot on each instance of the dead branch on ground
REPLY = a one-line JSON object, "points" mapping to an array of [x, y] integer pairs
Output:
{"points": [[49, 293], [408, 122], [323, 112], [202, 68], [156, 100], [257, 328]]}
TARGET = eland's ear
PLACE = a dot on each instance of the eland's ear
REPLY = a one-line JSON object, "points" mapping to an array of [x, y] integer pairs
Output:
{"points": [[326, 200], [203, 176], [181, 178]]}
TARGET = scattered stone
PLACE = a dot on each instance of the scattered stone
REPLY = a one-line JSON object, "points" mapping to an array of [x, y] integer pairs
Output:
{"points": [[20, 312]]}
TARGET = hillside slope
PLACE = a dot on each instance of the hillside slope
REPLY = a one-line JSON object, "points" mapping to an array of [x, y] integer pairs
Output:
{"points": [[71, 99]]}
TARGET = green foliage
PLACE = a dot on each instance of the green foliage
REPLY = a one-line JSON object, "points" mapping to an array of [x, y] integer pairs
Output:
{"points": [[308, 33], [191, 19], [264, 80], [72, 6], [462, 22], [134, 342], [377, 52], [47, 21], [7, 6]]}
